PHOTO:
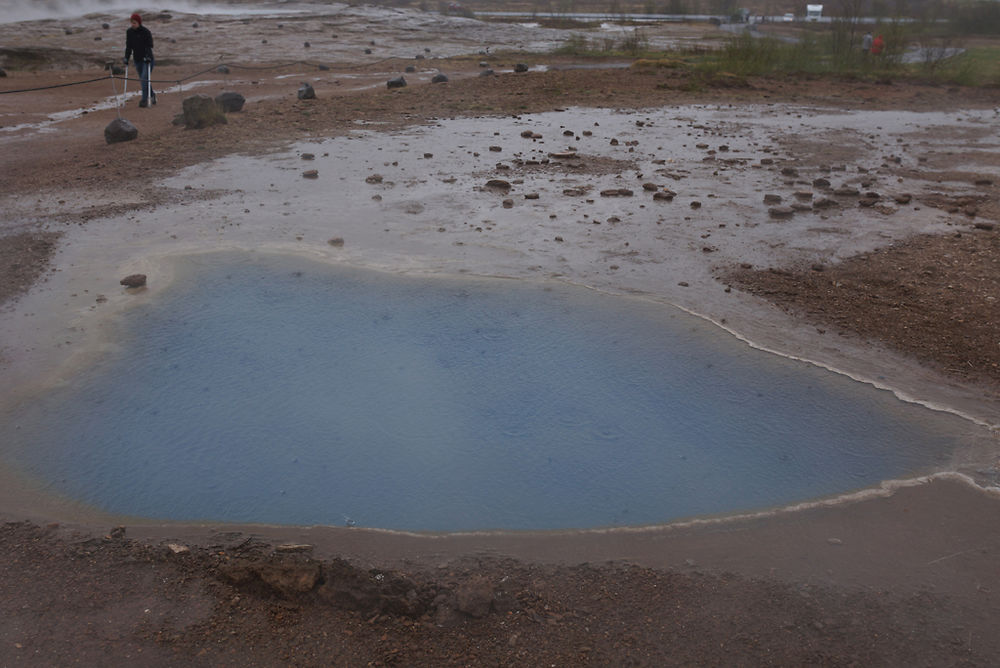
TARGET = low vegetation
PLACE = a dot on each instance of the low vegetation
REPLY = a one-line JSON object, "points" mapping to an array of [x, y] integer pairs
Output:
{"points": [[915, 51]]}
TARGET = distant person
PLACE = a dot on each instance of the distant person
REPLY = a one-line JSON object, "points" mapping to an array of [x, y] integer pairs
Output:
{"points": [[878, 45], [866, 42], [139, 45]]}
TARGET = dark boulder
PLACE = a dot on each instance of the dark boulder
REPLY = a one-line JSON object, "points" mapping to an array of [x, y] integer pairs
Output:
{"points": [[398, 82], [222, 69], [306, 92], [230, 101], [520, 67], [120, 130], [439, 78], [201, 111], [134, 281]]}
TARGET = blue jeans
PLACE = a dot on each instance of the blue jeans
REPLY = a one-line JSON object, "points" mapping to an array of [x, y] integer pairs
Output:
{"points": [[145, 69]]}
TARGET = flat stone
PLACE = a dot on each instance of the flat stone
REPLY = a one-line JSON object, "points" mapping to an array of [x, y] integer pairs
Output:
{"points": [[134, 281]]}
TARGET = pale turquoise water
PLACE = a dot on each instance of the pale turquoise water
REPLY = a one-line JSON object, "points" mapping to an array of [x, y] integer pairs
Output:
{"points": [[280, 390]]}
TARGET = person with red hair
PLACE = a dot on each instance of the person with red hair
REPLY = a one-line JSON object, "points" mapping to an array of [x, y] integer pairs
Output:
{"points": [[139, 45]]}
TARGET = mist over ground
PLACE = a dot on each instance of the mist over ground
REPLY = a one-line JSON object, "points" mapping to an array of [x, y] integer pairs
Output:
{"points": [[37, 10]]}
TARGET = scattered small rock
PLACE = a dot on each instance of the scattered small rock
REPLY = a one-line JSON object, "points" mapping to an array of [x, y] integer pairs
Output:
{"points": [[336, 242], [311, 174], [983, 226], [821, 183], [781, 212], [373, 178], [398, 82], [177, 548], [292, 548], [439, 78], [772, 199], [616, 192], [498, 184], [308, 156], [520, 67], [508, 204], [486, 73], [904, 198]]}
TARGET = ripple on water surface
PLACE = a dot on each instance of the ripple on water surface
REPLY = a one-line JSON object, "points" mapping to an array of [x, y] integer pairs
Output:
{"points": [[280, 390]]}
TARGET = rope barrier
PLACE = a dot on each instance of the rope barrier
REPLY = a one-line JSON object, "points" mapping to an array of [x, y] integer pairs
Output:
{"points": [[191, 76]]}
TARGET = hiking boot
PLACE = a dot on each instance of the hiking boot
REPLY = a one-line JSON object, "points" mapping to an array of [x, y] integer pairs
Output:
{"points": [[143, 103]]}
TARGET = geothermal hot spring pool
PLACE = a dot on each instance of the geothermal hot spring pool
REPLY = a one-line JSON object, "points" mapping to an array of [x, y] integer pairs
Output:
{"points": [[275, 389]]}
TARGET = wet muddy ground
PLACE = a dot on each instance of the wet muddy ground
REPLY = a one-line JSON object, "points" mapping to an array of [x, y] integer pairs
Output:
{"points": [[892, 281]]}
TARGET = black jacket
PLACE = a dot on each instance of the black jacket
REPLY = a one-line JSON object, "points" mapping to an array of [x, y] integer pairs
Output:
{"points": [[139, 44]]}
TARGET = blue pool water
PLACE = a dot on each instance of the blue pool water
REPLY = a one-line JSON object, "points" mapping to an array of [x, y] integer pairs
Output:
{"points": [[280, 390]]}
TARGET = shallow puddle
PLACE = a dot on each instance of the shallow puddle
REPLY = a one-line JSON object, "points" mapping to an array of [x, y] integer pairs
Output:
{"points": [[262, 388]]}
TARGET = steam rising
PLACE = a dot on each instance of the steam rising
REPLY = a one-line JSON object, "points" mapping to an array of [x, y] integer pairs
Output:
{"points": [[36, 10]]}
